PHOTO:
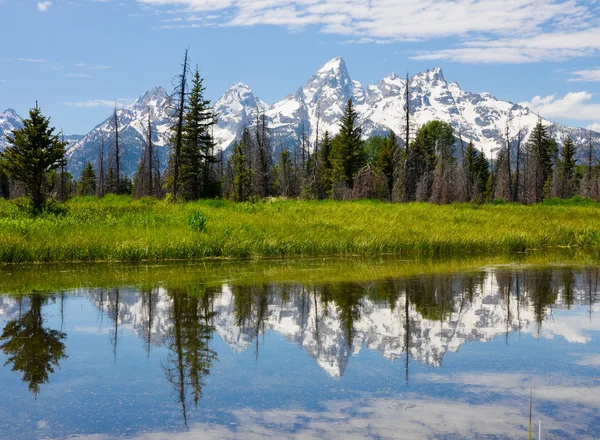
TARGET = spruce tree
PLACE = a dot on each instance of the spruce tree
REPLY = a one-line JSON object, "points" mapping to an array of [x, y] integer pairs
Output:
{"points": [[541, 151], [197, 150], [347, 155], [386, 160], [87, 182], [32, 153], [242, 173], [567, 170]]}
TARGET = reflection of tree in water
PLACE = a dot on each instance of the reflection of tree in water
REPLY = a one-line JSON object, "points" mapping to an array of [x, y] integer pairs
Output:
{"points": [[32, 349], [190, 357]]}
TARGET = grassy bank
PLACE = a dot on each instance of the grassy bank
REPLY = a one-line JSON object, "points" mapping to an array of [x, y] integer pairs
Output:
{"points": [[120, 229]]}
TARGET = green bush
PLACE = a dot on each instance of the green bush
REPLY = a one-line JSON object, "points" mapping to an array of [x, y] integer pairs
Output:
{"points": [[197, 221]]}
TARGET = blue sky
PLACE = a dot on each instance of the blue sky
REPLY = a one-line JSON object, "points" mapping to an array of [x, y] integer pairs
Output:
{"points": [[77, 56]]}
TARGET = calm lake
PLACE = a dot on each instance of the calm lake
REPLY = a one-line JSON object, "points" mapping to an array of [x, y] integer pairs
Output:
{"points": [[320, 351]]}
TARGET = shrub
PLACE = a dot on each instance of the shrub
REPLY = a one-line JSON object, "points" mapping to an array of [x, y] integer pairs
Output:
{"points": [[197, 221]]}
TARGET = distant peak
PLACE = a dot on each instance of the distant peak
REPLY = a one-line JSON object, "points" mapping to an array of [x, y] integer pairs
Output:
{"points": [[238, 86], [10, 111], [335, 65], [155, 94], [434, 74]]}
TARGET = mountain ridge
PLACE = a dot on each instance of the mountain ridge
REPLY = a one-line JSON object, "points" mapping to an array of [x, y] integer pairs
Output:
{"points": [[320, 102]]}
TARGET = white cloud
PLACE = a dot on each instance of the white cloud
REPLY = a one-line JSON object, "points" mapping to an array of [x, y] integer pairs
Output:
{"points": [[518, 31], [32, 60], [98, 103], [574, 105], [91, 67], [594, 127], [44, 6], [78, 75], [589, 75]]}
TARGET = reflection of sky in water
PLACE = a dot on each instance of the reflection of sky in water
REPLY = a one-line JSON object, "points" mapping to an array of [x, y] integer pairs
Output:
{"points": [[481, 387]]}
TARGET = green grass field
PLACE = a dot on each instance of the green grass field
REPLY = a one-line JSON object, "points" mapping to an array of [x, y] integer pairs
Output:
{"points": [[121, 229]]}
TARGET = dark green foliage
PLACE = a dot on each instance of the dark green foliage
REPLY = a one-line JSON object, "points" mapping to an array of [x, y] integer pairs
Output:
{"points": [[197, 158], [4, 184], [197, 221], [347, 153], [541, 153], [432, 139], [33, 152], [87, 182], [30, 348], [242, 173], [566, 171]]}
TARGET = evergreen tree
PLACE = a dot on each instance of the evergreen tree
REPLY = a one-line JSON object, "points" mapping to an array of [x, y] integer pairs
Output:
{"points": [[443, 188], [284, 175], [87, 182], [541, 151], [178, 105], [4, 184], [197, 159], [386, 159], [347, 157], [147, 177], [242, 173], [33, 152], [261, 158], [432, 138], [587, 185], [566, 171]]}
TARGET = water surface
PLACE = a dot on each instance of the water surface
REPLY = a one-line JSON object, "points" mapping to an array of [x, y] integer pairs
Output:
{"points": [[427, 355]]}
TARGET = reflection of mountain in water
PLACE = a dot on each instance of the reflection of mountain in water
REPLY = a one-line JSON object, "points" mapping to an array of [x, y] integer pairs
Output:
{"points": [[422, 317]]}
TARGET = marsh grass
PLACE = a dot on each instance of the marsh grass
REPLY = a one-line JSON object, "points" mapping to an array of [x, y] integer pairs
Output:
{"points": [[121, 229]]}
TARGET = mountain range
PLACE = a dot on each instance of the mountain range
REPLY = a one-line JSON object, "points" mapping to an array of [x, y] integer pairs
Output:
{"points": [[319, 327], [316, 107]]}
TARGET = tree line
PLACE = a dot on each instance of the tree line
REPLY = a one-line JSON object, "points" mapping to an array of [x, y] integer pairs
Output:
{"points": [[430, 163]]}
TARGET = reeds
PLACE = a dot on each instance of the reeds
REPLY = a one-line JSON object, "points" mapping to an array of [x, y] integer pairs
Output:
{"points": [[121, 229]]}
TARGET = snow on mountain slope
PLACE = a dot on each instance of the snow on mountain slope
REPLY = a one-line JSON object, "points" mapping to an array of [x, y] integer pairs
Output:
{"points": [[132, 121], [319, 106], [9, 121], [320, 328]]}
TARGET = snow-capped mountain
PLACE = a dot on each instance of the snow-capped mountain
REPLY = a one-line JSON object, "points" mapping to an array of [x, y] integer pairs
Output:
{"points": [[318, 106], [133, 123], [9, 121], [494, 307]]}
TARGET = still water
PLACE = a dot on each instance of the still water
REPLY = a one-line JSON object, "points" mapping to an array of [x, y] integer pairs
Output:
{"points": [[420, 356]]}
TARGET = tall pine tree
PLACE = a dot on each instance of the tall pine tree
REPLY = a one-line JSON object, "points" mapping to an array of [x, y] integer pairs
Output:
{"points": [[32, 153]]}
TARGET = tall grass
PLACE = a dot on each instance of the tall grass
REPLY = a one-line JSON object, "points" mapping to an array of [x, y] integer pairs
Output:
{"points": [[121, 229]]}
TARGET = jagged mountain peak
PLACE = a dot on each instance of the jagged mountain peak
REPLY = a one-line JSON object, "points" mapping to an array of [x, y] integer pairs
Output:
{"points": [[152, 97], [11, 112], [334, 65], [431, 75]]}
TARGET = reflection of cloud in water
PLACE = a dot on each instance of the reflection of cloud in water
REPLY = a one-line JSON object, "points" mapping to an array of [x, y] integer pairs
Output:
{"points": [[592, 360], [572, 328], [408, 418]]}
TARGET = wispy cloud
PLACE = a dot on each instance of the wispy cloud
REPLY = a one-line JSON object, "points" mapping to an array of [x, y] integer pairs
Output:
{"points": [[78, 75], [589, 75], [574, 105], [509, 31], [32, 60], [98, 103], [92, 67], [44, 6]]}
